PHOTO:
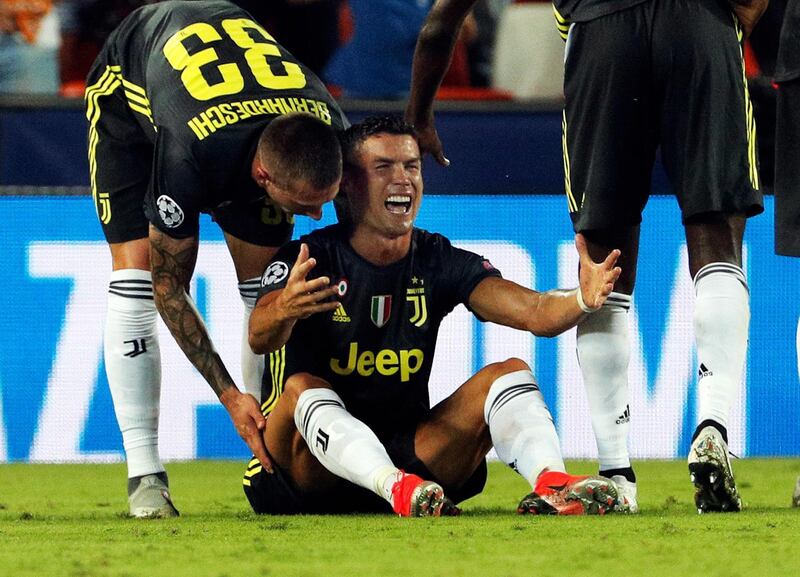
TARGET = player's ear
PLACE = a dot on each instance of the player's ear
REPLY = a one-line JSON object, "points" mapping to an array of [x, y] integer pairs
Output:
{"points": [[260, 174], [342, 205], [346, 182]]}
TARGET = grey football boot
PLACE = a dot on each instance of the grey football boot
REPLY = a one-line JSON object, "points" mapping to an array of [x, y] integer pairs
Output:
{"points": [[796, 494], [151, 499], [710, 471]]}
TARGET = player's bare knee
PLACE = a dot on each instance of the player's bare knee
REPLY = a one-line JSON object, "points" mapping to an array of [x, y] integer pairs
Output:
{"points": [[496, 370], [509, 366], [299, 383], [132, 254]]}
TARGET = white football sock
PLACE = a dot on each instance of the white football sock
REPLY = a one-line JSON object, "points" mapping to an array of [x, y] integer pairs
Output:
{"points": [[343, 444], [721, 323], [133, 367], [252, 364], [521, 426], [604, 351]]}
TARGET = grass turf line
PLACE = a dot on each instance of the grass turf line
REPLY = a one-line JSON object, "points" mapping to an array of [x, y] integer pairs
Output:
{"points": [[68, 520]]}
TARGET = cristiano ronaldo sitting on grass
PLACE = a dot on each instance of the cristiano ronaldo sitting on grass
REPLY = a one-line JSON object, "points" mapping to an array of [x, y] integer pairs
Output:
{"points": [[349, 316]]}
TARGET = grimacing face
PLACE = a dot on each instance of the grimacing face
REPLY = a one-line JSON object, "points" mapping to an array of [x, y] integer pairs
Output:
{"points": [[389, 185]]}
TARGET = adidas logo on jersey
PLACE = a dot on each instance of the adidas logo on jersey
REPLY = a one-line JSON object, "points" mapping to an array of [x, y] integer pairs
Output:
{"points": [[625, 417], [340, 316], [704, 372]]}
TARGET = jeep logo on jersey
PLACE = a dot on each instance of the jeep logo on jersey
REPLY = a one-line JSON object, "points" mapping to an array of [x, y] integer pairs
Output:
{"points": [[171, 214], [387, 362], [380, 309], [275, 273]]}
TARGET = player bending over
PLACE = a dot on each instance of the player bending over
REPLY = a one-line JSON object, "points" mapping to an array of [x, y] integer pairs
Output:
{"points": [[191, 109], [350, 316]]}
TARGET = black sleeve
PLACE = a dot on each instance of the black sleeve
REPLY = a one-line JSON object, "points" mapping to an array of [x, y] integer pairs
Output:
{"points": [[277, 272], [461, 271]]}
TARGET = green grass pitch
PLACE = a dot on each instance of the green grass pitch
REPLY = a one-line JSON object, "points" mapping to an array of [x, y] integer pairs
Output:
{"points": [[68, 520]]}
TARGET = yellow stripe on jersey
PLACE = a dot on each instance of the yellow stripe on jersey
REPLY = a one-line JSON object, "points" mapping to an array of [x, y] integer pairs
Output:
{"points": [[253, 468], [106, 85], [277, 366], [571, 203], [137, 99], [131, 87], [145, 110], [749, 118], [561, 23]]}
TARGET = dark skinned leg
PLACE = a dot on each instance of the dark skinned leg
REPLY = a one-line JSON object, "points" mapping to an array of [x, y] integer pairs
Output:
{"points": [[714, 238], [603, 352], [721, 322], [602, 241]]}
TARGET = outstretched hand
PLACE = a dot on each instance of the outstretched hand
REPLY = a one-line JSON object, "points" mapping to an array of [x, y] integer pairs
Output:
{"points": [[246, 415], [596, 279], [429, 142], [302, 298]]}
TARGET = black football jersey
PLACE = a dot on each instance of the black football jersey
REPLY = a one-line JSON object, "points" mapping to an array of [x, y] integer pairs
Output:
{"points": [[377, 348], [788, 65], [568, 11], [203, 79]]}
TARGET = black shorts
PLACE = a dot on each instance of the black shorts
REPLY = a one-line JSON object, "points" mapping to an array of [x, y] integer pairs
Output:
{"points": [[120, 156], [665, 73], [276, 494], [122, 160], [787, 169]]}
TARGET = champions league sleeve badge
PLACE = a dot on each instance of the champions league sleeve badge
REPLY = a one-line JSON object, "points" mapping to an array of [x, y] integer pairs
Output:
{"points": [[275, 273], [171, 214]]}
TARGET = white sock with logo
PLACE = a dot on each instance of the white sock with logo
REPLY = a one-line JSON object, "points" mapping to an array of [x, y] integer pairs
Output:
{"points": [[603, 347], [252, 364], [343, 444], [721, 323], [521, 426], [133, 366]]}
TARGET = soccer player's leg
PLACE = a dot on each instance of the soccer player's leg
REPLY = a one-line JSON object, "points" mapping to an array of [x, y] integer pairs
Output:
{"points": [[502, 406], [133, 367], [714, 173], [721, 322], [251, 244], [603, 350], [318, 443], [120, 158], [609, 142]]}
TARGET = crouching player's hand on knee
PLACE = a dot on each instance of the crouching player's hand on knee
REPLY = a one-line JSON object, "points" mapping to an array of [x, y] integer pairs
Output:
{"points": [[246, 415]]}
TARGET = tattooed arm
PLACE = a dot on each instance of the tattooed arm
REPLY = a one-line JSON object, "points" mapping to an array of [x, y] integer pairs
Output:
{"points": [[172, 262]]}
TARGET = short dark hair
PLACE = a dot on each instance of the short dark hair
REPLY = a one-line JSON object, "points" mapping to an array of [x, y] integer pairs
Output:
{"points": [[301, 147], [354, 136]]}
